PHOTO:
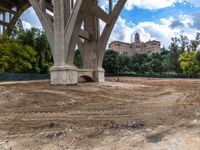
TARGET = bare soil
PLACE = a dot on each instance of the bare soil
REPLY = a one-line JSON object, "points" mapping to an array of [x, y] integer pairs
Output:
{"points": [[135, 113]]}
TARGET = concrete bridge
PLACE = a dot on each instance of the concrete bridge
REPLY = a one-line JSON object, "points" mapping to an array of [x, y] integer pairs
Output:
{"points": [[68, 23]]}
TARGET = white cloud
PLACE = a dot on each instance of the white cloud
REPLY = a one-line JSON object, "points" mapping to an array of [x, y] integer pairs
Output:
{"points": [[194, 2], [161, 31], [26, 25], [157, 4], [29, 16], [149, 4], [125, 31], [145, 4], [196, 20]]}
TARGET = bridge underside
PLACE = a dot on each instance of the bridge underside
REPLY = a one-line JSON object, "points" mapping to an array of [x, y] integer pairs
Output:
{"points": [[68, 23]]}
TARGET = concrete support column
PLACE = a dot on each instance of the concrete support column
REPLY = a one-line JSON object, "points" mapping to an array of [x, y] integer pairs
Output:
{"points": [[59, 29], [90, 50], [61, 73]]}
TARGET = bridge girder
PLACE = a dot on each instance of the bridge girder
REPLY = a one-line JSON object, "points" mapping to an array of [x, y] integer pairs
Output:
{"points": [[66, 25]]}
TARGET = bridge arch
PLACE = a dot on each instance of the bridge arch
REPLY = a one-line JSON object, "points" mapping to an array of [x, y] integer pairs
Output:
{"points": [[21, 9], [68, 24], [13, 13]]}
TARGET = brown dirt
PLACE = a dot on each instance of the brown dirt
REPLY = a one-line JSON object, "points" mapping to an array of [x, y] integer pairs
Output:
{"points": [[135, 113]]}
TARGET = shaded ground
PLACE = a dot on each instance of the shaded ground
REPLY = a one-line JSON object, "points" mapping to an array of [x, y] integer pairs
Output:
{"points": [[137, 113]]}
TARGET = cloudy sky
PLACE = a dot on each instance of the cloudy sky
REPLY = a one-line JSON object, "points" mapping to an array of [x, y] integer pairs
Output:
{"points": [[153, 19]]}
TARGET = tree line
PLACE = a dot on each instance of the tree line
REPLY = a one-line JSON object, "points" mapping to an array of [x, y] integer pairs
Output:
{"points": [[182, 57], [28, 51], [25, 51]]}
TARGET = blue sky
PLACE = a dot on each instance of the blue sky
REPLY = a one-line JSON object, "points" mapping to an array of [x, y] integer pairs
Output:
{"points": [[153, 19]]}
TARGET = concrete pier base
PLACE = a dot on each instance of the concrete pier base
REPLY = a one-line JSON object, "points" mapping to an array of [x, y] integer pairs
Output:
{"points": [[92, 75], [64, 75], [99, 75], [68, 75]]}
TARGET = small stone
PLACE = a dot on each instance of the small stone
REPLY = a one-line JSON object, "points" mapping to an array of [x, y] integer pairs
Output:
{"points": [[58, 133], [155, 138], [51, 125], [135, 124]]}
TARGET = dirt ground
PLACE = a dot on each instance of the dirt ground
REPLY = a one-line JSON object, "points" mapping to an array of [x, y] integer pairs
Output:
{"points": [[133, 114]]}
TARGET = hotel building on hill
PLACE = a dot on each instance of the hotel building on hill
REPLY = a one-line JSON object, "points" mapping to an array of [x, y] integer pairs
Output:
{"points": [[130, 49]]}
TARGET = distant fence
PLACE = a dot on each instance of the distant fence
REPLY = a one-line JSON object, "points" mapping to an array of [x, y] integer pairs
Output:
{"points": [[21, 77], [154, 76]]}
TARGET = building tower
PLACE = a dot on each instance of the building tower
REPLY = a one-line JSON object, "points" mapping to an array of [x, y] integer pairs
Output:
{"points": [[137, 38]]}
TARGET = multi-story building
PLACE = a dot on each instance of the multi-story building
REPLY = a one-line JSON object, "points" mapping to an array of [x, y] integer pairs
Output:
{"points": [[130, 49]]}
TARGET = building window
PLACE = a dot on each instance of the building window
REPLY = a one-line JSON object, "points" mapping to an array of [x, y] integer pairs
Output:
{"points": [[117, 44]]}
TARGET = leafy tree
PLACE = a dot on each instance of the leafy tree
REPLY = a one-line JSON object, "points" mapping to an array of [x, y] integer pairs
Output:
{"points": [[44, 56], [110, 62], [174, 55], [124, 63], [38, 41], [166, 61], [198, 56], [77, 59], [163, 49], [136, 67], [29, 37], [195, 43], [144, 68], [139, 58], [156, 66], [125, 69], [184, 43], [15, 57], [189, 63]]}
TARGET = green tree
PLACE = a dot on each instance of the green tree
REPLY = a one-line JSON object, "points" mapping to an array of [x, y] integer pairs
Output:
{"points": [[184, 43], [15, 57], [195, 43], [198, 56], [124, 63], [156, 66], [189, 63], [174, 55], [166, 61], [145, 68], [110, 63], [78, 62], [36, 39], [136, 67], [44, 56]]}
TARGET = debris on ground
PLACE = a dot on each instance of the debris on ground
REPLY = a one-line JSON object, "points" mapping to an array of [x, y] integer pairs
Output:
{"points": [[131, 124]]}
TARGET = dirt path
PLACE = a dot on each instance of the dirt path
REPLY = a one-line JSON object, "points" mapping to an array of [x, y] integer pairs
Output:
{"points": [[137, 113]]}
